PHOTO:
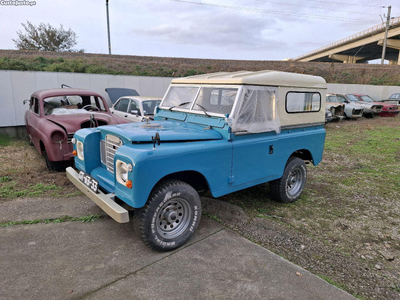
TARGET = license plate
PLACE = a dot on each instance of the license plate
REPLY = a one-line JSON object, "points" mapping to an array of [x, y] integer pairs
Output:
{"points": [[89, 181]]}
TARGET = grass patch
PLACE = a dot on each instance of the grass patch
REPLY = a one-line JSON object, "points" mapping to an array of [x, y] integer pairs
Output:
{"points": [[330, 281], [90, 218], [5, 140], [11, 189]]}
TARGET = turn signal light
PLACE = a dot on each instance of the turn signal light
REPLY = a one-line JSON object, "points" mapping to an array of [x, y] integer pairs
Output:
{"points": [[74, 153], [129, 184]]}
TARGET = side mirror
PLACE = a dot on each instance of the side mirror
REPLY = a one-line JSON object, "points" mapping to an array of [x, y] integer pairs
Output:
{"points": [[135, 112], [27, 101]]}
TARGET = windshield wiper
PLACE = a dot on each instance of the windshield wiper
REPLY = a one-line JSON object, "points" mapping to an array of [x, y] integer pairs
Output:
{"points": [[183, 103], [204, 110]]}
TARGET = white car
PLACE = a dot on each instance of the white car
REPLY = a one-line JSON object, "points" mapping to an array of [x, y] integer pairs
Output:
{"points": [[352, 110], [135, 108]]}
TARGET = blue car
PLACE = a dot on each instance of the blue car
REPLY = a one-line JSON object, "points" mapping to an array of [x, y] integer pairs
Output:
{"points": [[220, 132]]}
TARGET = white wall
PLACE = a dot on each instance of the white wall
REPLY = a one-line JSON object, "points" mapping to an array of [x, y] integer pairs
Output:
{"points": [[377, 92], [15, 86]]}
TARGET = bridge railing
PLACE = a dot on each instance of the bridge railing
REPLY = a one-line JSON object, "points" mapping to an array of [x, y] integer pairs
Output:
{"points": [[395, 22]]}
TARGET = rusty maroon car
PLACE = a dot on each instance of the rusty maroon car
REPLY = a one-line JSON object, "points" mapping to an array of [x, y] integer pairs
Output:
{"points": [[55, 114]]}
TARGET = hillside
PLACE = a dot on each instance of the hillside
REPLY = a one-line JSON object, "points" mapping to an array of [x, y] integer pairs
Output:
{"points": [[178, 67]]}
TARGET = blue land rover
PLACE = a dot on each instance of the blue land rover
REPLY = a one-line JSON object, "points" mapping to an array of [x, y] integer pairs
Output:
{"points": [[219, 132]]}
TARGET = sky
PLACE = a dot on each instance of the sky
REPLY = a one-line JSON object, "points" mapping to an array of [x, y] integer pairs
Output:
{"points": [[235, 29]]}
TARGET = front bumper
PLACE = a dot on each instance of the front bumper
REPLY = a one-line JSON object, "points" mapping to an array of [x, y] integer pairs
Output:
{"points": [[104, 201], [389, 113]]}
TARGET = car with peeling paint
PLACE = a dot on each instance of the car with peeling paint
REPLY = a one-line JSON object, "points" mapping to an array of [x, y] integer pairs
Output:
{"points": [[336, 109], [221, 133], [54, 115]]}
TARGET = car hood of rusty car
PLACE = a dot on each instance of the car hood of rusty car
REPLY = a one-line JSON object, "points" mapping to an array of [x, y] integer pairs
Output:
{"points": [[72, 122], [168, 130]]}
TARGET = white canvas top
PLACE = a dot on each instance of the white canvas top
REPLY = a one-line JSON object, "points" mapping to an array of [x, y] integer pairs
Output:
{"points": [[267, 77]]}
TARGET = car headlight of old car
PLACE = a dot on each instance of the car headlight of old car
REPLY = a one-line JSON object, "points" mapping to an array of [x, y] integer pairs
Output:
{"points": [[79, 150], [122, 172], [57, 136]]}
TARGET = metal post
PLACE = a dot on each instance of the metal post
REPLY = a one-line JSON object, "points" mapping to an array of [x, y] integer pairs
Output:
{"points": [[386, 35], [108, 29]]}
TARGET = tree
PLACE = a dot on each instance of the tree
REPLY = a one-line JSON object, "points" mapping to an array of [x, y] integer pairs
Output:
{"points": [[45, 37]]}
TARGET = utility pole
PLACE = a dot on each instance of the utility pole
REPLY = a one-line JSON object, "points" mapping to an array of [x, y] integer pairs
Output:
{"points": [[108, 29], [386, 35]]}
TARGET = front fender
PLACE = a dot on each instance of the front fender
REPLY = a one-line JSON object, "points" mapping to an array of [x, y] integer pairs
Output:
{"points": [[151, 165]]}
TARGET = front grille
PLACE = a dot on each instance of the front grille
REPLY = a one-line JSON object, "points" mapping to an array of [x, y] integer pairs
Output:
{"points": [[108, 149], [69, 137]]}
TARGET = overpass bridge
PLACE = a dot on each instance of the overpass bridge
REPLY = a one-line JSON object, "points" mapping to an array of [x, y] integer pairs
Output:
{"points": [[360, 47]]}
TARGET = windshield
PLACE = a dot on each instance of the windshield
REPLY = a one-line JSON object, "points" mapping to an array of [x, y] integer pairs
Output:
{"points": [[332, 99], [395, 96], [351, 97], [72, 104], [341, 99], [212, 99], [178, 95], [149, 106], [367, 99]]}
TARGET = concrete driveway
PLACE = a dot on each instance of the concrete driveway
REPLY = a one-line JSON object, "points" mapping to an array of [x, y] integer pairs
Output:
{"points": [[105, 260]]}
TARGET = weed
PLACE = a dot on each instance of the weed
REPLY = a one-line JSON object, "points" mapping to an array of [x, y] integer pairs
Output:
{"points": [[89, 218], [4, 140], [330, 281]]}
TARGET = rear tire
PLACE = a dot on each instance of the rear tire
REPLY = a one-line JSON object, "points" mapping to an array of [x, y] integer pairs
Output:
{"points": [[289, 187], [170, 216]]}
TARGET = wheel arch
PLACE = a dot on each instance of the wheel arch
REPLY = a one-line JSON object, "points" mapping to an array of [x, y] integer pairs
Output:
{"points": [[194, 178], [304, 154]]}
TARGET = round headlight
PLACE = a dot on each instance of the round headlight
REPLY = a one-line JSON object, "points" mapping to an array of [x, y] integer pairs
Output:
{"points": [[57, 136], [79, 150], [122, 171]]}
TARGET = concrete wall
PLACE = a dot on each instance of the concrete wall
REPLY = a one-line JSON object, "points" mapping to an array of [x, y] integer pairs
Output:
{"points": [[15, 86], [377, 92]]}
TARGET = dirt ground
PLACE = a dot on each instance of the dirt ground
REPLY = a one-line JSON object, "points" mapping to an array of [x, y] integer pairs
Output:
{"points": [[344, 228]]}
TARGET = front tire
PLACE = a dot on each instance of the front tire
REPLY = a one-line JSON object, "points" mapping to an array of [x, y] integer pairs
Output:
{"points": [[54, 166], [170, 216], [289, 187]]}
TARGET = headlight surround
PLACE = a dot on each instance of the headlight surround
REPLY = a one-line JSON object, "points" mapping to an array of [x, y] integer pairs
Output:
{"points": [[57, 136], [122, 170], [79, 150]]}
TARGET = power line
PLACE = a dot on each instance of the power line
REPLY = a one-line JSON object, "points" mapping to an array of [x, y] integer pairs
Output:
{"points": [[292, 4], [286, 13], [344, 3]]}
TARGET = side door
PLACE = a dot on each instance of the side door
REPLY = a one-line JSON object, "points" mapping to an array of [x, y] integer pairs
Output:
{"points": [[120, 108], [135, 111], [32, 121], [256, 152]]}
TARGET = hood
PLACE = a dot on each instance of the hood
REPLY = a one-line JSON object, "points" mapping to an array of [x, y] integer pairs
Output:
{"points": [[116, 93], [168, 130], [353, 105], [72, 122], [384, 104], [333, 104]]}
